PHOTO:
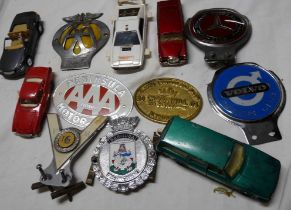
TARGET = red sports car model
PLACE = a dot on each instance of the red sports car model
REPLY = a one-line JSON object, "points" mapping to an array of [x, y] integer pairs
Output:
{"points": [[33, 101], [170, 24]]}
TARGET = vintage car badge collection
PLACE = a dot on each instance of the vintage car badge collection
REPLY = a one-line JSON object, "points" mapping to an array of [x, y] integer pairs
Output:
{"points": [[245, 94]]}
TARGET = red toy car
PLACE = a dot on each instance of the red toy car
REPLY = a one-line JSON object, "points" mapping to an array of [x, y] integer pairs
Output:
{"points": [[33, 101], [171, 39]]}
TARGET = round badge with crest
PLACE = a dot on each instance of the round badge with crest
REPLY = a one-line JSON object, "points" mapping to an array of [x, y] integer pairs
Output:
{"points": [[79, 99], [125, 158], [250, 96], [219, 32]]}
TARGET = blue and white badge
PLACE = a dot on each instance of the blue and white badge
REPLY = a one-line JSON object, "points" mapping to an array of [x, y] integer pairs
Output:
{"points": [[251, 97]]}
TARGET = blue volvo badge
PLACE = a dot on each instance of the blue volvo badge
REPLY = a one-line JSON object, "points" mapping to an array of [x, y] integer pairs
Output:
{"points": [[251, 97]]}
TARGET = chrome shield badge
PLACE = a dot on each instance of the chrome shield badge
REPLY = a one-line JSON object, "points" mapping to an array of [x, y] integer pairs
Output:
{"points": [[124, 159], [219, 32], [81, 98], [79, 40], [251, 97]]}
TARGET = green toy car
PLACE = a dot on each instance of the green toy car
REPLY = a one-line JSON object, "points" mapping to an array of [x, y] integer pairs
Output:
{"points": [[230, 162]]}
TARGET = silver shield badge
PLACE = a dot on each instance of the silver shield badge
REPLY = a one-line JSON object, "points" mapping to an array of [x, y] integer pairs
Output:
{"points": [[79, 40], [81, 98], [124, 159]]}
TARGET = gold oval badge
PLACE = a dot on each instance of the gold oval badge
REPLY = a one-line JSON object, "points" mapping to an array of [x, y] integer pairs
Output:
{"points": [[160, 99]]}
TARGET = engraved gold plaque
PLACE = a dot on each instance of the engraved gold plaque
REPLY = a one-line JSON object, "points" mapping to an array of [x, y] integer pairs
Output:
{"points": [[160, 99]]}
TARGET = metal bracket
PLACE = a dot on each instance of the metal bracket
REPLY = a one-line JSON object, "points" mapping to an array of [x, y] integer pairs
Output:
{"points": [[261, 132], [58, 192], [219, 57], [58, 173]]}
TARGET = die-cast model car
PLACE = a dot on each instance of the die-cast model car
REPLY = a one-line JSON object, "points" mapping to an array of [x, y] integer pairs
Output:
{"points": [[33, 101], [20, 45], [129, 37], [221, 158], [171, 39]]}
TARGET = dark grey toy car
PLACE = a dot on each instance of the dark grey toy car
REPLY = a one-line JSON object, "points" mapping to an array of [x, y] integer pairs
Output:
{"points": [[20, 45]]}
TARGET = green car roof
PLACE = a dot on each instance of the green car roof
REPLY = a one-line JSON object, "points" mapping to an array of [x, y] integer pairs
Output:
{"points": [[215, 151]]}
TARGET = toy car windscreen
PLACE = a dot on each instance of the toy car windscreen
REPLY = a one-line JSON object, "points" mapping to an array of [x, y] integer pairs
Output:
{"points": [[126, 38]]}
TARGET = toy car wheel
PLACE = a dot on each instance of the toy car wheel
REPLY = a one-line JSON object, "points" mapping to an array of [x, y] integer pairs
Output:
{"points": [[29, 61]]}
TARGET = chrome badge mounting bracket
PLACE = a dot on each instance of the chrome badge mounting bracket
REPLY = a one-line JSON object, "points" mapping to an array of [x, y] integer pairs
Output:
{"points": [[251, 97], [125, 158], [79, 40], [220, 33], [66, 145]]}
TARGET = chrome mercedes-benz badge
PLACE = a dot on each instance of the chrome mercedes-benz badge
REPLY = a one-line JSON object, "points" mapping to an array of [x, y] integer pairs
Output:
{"points": [[81, 98], [125, 157], [220, 33]]}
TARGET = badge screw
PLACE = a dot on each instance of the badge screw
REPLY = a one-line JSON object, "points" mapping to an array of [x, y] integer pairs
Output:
{"points": [[43, 174], [64, 177], [94, 159]]}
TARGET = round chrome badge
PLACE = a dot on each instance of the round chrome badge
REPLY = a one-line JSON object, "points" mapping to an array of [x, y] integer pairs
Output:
{"points": [[219, 33], [67, 140], [79, 99], [125, 157], [251, 97]]}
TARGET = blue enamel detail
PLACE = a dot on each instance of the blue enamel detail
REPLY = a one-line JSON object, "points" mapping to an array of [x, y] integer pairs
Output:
{"points": [[246, 106]]}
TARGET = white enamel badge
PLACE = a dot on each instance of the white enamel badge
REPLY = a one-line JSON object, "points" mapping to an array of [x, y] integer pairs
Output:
{"points": [[82, 97]]}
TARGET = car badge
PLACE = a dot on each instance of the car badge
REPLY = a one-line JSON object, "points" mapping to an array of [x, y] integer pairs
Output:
{"points": [[79, 40], [251, 97], [125, 158], [79, 99], [160, 99], [66, 145], [220, 33]]}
